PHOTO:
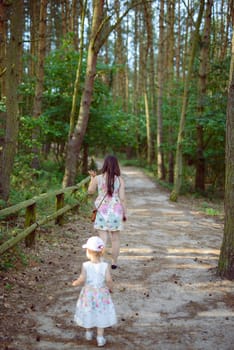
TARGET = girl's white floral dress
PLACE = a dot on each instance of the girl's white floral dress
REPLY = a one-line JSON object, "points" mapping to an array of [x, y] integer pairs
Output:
{"points": [[110, 213], [94, 307]]}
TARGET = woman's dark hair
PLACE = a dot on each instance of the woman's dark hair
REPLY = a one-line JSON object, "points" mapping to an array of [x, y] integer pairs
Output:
{"points": [[111, 168]]}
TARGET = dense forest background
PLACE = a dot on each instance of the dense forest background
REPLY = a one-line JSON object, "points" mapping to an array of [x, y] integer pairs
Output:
{"points": [[146, 80], [157, 60]]}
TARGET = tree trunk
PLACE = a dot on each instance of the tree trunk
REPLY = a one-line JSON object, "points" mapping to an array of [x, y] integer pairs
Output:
{"points": [[3, 36], [148, 129], [85, 159], [204, 60], [153, 94], [37, 104], [136, 89], [75, 22], [226, 258], [170, 88], [119, 79], [180, 138], [66, 15], [75, 142], [34, 10], [149, 81], [78, 72], [11, 76], [161, 52]]}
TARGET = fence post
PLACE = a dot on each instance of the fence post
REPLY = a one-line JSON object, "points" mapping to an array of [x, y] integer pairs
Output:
{"points": [[30, 218], [59, 205]]}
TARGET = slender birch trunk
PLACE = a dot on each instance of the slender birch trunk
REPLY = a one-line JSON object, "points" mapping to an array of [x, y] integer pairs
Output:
{"points": [[180, 138], [161, 52], [148, 129], [170, 79]]}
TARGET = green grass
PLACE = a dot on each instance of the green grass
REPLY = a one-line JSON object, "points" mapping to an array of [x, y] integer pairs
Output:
{"points": [[208, 209]]}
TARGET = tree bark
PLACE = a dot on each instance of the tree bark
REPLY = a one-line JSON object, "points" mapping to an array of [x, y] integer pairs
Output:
{"points": [[78, 72], [3, 36], [136, 89], [37, 104], [11, 127], [75, 142], [34, 10], [180, 138], [170, 79], [149, 81], [75, 22], [119, 79], [226, 258], [202, 83], [148, 129], [161, 52]]}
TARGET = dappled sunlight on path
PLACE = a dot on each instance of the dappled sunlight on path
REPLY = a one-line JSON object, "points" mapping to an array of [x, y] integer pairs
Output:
{"points": [[167, 294], [175, 251]]}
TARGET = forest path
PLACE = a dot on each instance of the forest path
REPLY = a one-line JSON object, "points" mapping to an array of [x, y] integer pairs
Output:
{"points": [[167, 295]]}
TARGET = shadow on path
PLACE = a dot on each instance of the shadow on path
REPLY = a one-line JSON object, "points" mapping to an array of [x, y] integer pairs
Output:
{"points": [[167, 294]]}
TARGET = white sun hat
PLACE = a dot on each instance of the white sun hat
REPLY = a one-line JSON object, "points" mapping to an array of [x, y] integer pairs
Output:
{"points": [[94, 243]]}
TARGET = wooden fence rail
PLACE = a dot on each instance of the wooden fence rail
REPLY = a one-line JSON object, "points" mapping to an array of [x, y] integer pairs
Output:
{"points": [[31, 223]]}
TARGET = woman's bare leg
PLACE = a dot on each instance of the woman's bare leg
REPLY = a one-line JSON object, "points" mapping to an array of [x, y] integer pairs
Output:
{"points": [[115, 242], [103, 235]]}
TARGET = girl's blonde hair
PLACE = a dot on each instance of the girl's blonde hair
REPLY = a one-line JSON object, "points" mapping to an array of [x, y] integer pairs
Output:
{"points": [[95, 253]]}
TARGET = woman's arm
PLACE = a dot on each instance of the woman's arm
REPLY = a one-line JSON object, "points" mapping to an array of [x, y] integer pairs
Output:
{"points": [[93, 182], [122, 196], [81, 279], [109, 281]]}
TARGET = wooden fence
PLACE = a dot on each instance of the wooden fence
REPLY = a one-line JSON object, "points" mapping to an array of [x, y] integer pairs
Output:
{"points": [[31, 223]]}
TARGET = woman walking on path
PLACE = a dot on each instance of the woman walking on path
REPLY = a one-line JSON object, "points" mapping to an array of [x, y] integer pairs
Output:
{"points": [[95, 307], [110, 203]]}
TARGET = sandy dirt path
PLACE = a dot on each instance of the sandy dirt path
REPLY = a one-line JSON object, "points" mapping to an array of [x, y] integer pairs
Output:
{"points": [[167, 294]]}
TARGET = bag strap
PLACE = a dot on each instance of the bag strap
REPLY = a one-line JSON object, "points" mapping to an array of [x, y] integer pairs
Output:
{"points": [[101, 201]]}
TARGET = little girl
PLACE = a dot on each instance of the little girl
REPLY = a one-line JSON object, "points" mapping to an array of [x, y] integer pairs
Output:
{"points": [[94, 307]]}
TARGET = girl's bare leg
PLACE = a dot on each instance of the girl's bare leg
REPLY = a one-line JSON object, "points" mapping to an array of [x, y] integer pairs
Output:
{"points": [[115, 242], [101, 341], [100, 332]]}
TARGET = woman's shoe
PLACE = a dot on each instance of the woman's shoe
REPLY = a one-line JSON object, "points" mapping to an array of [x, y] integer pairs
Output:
{"points": [[101, 341]]}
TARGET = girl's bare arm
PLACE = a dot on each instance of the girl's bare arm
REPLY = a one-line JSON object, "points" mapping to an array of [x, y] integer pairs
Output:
{"points": [[81, 279]]}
